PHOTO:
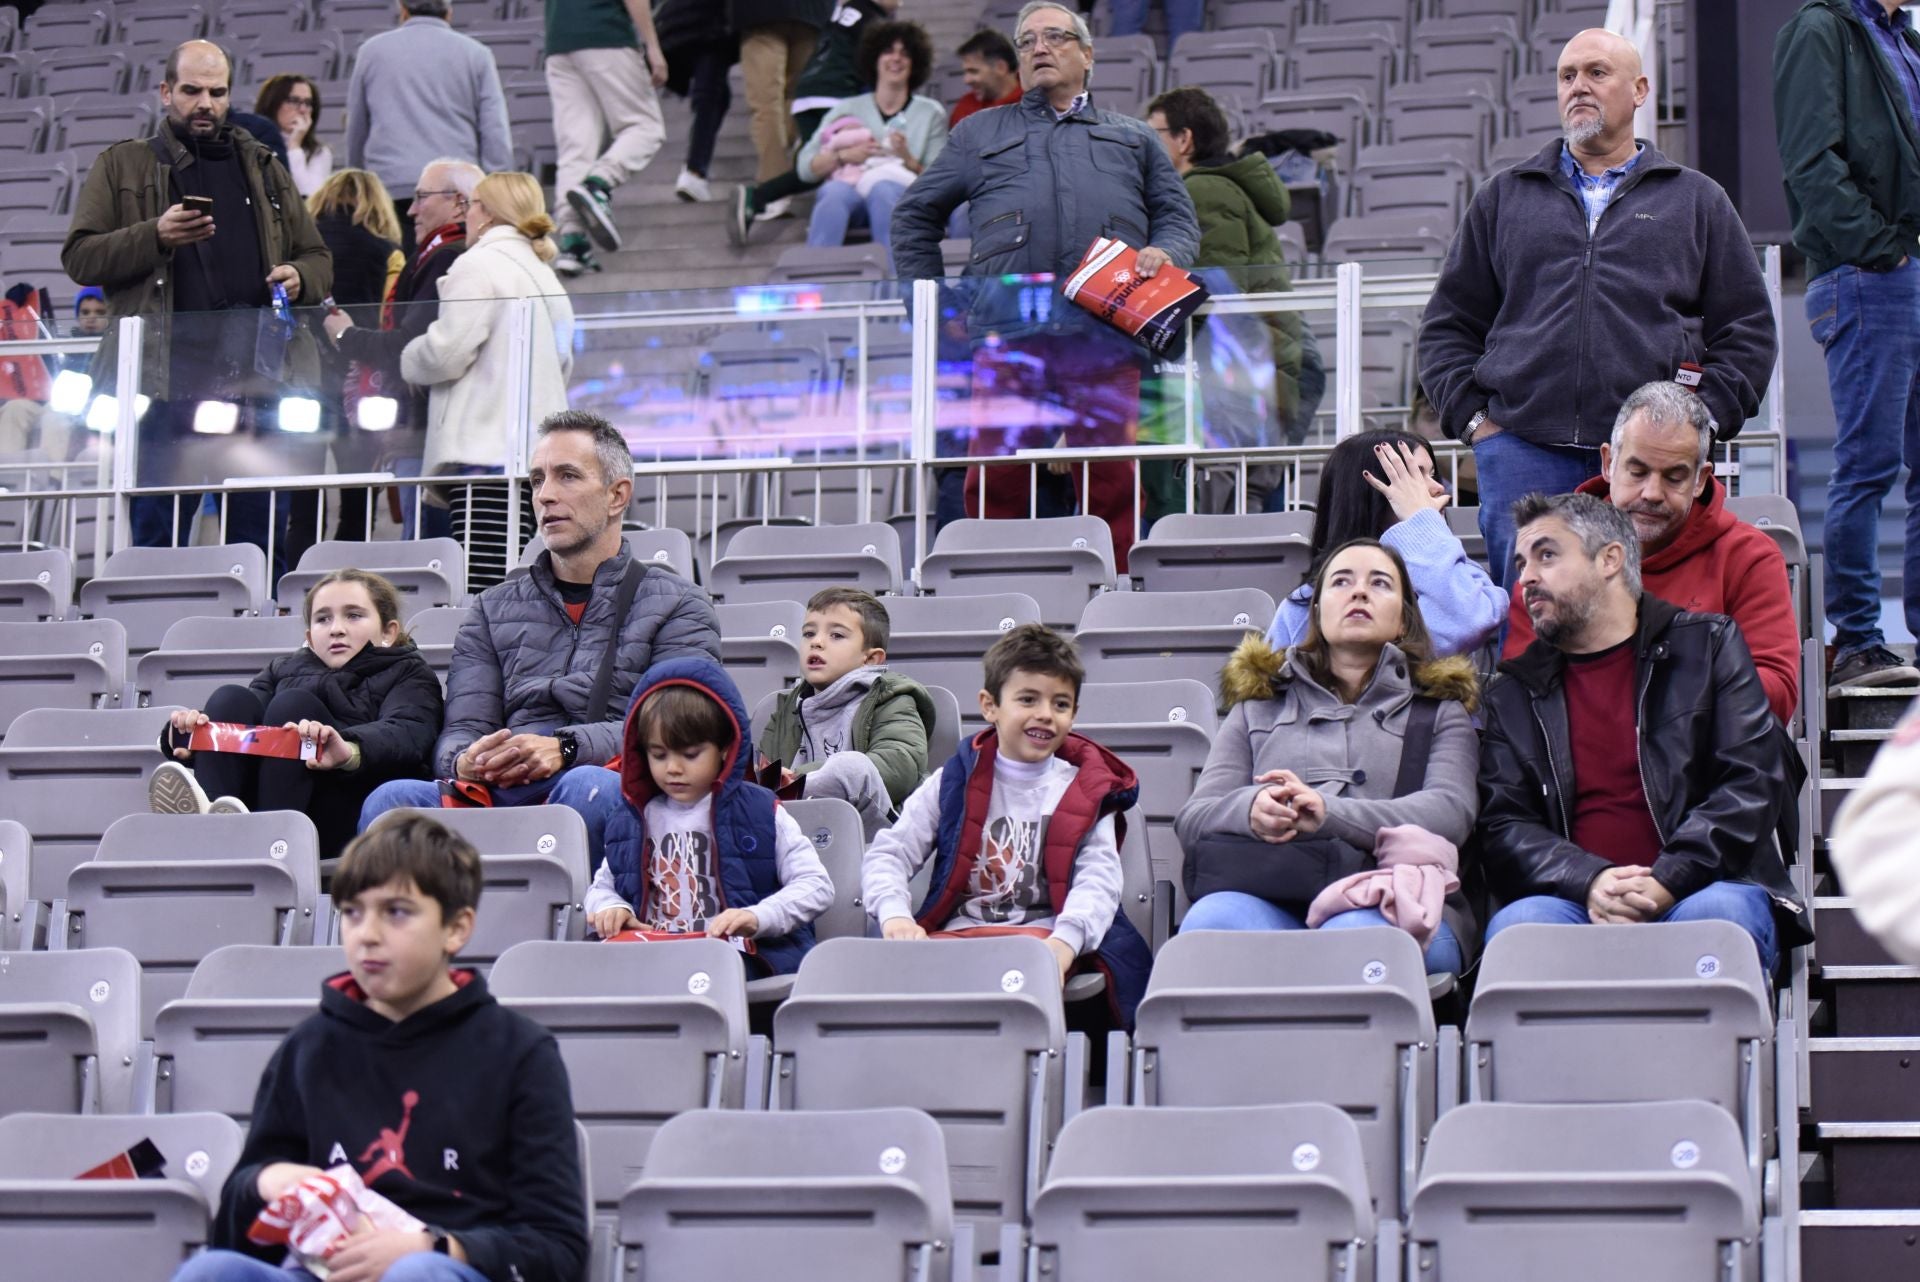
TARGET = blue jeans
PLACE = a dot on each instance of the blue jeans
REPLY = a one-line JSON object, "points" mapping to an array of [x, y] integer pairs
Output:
{"points": [[839, 206], [594, 791], [231, 1266], [1510, 469], [1130, 18], [1234, 910], [1742, 903], [1869, 325]]}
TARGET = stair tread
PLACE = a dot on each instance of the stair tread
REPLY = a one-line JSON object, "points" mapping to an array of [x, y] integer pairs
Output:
{"points": [[1868, 1130], [1900, 1218]]}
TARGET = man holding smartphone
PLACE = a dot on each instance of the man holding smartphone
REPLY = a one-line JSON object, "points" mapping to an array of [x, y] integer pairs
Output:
{"points": [[193, 228]]}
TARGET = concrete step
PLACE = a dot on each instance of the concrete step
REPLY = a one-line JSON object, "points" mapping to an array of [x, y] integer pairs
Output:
{"points": [[1833, 794], [1865, 1079], [1854, 1246], [1872, 1000], [1872, 1165], [1843, 941]]}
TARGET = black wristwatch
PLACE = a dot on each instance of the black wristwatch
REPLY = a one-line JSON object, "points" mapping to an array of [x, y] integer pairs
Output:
{"points": [[442, 1240], [569, 748]]}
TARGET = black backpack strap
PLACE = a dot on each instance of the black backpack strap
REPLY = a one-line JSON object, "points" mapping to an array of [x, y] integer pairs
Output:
{"points": [[1417, 746], [603, 679]]}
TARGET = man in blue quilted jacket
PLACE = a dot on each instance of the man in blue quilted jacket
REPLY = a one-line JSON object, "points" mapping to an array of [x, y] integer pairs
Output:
{"points": [[526, 696]]}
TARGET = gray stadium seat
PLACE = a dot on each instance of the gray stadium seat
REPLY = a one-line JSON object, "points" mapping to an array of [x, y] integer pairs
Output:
{"points": [[69, 1023], [940, 640], [1062, 562], [150, 589], [24, 127], [1275, 1192], [31, 253], [67, 775], [1164, 730], [16, 858], [834, 828], [515, 46], [82, 664], [1276, 1017], [1651, 1192], [838, 265], [647, 1031], [35, 585], [244, 21], [161, 25], [54, 1226], [832, 496], [791, 563], [1190, 552], [670, 548], [356, 19], [1394, 180], [80, 73], [855, 1196], [171, 888], [972, 1031], [427, 572], [1536, 115], [68, 26], [534, 870], [1389, 239], [36, 189], [1440, 114], [760, 646], [313, 54], [101, 124], [1231, 72], [1126, 75], [1330, 61], [1605, 1014], [1157, 636], [199, 655], [433, 632], [530, 109], [211, 1044], [1481, 49], [1388, 15]]}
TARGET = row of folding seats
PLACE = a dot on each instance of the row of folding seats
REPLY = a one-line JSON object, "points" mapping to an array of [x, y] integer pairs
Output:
{"points": [[1562, 1017]]}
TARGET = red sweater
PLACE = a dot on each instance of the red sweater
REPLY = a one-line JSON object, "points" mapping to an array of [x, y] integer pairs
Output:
{"points": [[1718, 565], [970, 103]]}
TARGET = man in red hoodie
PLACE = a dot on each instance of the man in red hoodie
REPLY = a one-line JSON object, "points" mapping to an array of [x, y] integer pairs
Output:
{"points": [[1694, 553]]}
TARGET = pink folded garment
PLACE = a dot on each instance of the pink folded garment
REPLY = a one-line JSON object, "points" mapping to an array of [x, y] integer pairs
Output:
{"points": [[1410, 887]]}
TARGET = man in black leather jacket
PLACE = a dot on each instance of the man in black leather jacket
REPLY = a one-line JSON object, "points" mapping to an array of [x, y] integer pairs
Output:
{"points": [[1630, 770]]}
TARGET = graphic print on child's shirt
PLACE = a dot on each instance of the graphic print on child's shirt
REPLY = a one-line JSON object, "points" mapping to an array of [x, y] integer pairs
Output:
{"points": [[1009, 878], [681, 892]]}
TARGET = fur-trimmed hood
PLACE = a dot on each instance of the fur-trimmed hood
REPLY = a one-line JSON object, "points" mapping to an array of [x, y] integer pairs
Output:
{"points": [[1258, 671]]}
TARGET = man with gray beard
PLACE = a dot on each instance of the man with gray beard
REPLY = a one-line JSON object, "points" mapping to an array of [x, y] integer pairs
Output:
{"points": [[1578, 275]]}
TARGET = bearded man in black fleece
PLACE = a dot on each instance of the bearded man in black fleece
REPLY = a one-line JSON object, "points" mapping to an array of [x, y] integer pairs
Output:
{"points": [[382, 1079]]}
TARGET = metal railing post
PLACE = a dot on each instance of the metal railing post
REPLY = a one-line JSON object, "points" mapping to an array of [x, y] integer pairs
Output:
{"points": [[923, 404], [1346, 350], [126, 428]]}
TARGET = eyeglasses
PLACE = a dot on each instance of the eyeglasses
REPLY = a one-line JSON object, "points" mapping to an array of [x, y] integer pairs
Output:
{"points": [[445, 191], [304, 103], [1056, 38]]}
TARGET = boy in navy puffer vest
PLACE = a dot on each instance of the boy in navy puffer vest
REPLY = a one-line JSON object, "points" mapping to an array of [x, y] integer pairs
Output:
{"points": [[697, 848], [1022, 825]]}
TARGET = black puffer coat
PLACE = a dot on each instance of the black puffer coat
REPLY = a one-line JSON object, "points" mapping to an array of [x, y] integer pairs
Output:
{"points": [[386, 699]]}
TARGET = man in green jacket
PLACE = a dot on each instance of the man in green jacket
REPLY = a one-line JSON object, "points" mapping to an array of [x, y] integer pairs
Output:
{"points": [[1846, 102], [199, 218], [1239, 203]]}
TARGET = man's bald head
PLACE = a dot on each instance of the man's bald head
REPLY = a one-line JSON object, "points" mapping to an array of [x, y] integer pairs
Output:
{"points": [[1601, 85], [195, 88]]}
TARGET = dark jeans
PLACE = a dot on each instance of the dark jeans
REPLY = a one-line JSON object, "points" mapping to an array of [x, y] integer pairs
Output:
{"points": [[705, 87], [1869, 325], [331, 799], [1510, 469]]}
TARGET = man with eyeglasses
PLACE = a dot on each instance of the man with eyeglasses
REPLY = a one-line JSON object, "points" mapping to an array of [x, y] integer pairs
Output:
{"points": [[1042, 179], [438, 213], [193, 228]]}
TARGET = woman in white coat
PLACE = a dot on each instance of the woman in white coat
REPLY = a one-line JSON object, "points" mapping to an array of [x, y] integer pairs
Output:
{"points": [[465, 357]]}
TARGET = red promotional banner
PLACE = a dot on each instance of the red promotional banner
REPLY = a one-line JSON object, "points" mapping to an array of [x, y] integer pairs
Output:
{"points": [[254, 741], [1152, 309]]}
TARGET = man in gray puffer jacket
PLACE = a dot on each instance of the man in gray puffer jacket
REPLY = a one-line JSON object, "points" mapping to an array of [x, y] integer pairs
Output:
{"points": [[521, 690], [1042, 179]]}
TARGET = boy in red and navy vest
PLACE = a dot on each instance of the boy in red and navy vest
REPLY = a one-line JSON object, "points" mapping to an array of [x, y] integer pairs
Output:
{"points": [[1022, 825]]}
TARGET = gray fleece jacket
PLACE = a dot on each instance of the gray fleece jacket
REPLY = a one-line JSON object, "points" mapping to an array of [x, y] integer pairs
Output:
{"points": [[521, 663], [1347, 752]]}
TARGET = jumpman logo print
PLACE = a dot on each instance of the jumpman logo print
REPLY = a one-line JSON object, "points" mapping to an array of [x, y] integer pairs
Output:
{"points": [[391, 1145]]}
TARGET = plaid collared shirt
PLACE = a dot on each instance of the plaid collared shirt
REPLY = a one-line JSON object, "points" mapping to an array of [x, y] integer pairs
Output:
{"points": [[1890, 33], [1596, 190]]}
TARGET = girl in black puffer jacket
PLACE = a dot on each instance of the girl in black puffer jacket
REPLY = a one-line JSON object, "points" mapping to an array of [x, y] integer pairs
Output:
{"points": [[358, 690]]}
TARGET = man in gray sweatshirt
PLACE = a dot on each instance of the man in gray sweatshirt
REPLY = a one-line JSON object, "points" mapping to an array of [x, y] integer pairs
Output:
{"points": [[424, 92]]}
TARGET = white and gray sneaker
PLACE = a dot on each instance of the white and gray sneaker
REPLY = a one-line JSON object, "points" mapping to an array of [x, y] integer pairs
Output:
{"points": [[593, 201], [691, 186], [174, 791], [575, 257], [227, 806]]}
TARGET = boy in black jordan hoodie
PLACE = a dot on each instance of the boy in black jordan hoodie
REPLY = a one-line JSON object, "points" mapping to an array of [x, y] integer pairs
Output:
{"points": [[451, 1106]]}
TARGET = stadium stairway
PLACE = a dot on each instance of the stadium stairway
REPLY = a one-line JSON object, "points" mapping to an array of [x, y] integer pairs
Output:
{"points": [[1860, 1185]]}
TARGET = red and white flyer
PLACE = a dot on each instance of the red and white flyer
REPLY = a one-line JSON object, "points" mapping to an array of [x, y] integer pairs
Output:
{"points": [[254, 741], [315, 1216], [1153, 309]]}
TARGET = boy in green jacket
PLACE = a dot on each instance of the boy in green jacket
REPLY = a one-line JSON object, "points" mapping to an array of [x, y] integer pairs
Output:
{"points": [[849, 728]]}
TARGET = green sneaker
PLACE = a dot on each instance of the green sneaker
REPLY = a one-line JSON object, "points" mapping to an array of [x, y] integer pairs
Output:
{"points": [[593, 201]]}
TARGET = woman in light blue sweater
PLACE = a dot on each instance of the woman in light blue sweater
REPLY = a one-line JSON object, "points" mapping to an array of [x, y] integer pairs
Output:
{"points": [[868, 149], [1381, 485]]}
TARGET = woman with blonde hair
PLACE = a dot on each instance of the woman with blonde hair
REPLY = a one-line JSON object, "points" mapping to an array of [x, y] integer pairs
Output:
{"points": [[465, 357]]}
